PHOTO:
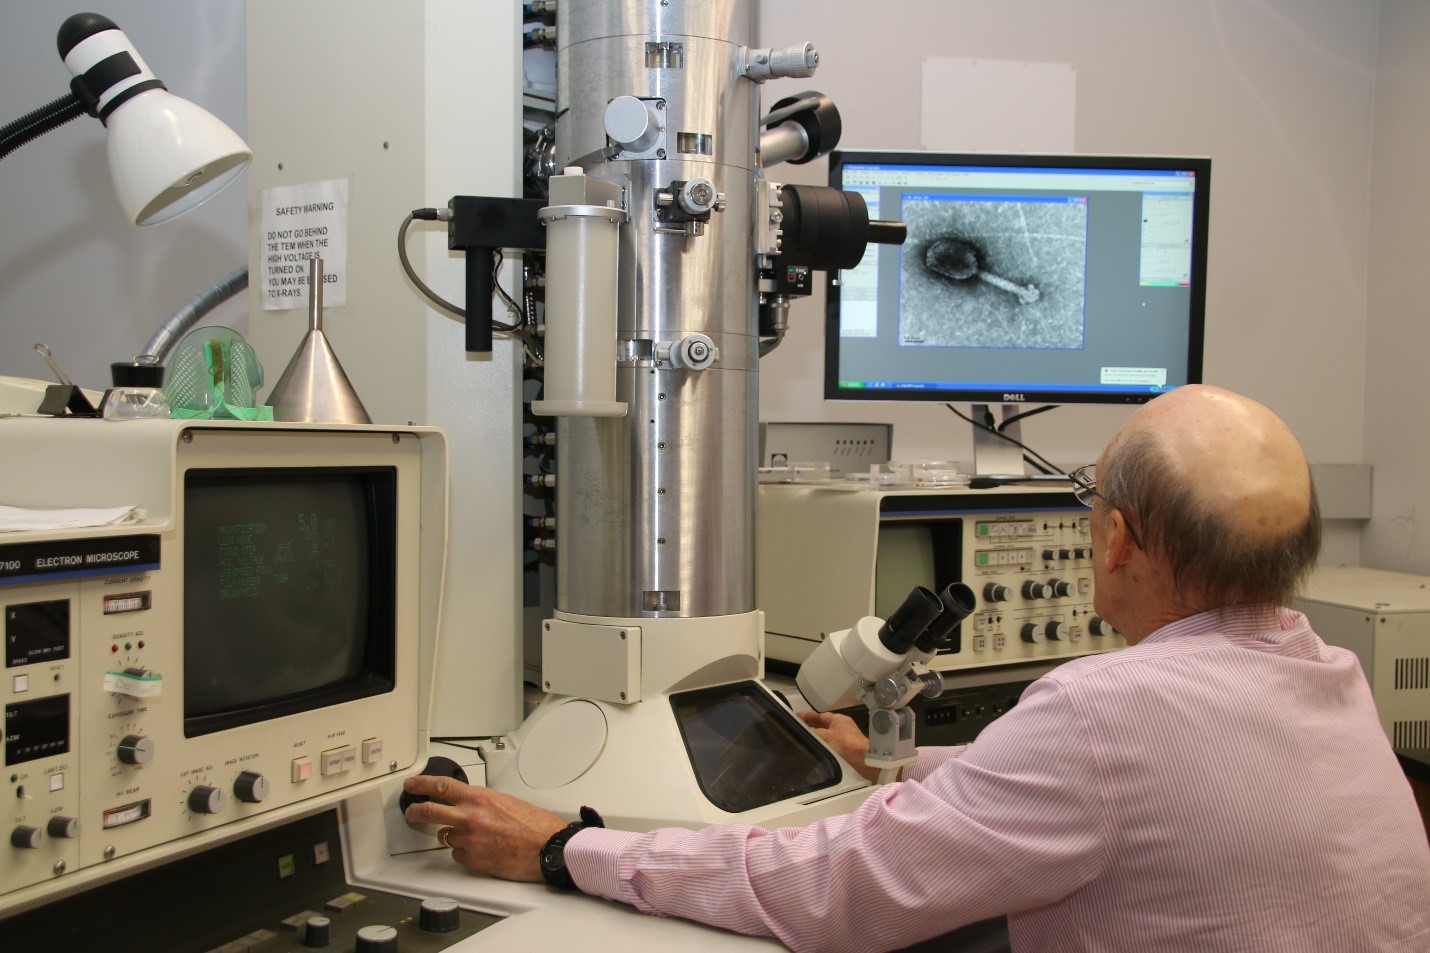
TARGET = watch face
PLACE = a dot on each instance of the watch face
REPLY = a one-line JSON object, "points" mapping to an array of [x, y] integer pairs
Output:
{"points": [[551, 859]]}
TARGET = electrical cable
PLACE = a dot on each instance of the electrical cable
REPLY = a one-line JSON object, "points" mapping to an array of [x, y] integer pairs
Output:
{"points": [[442, 215], [1027, 413], [511, 305], [1041, 460], [426, 215]]}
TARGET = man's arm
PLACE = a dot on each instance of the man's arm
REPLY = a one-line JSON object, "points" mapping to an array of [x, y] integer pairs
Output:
{"points": [[1016, 821]]}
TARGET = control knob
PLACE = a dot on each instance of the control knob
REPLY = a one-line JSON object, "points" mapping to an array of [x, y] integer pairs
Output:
{"points": [[1049, 554], [377, 938], [993, 592], [1033, 632], [61, 826], [1097, 625], [1061, 587], [439, 915], [1057, 631], [1083, 552], [250, 787], [317, 931], [207, 799], [27, 837], [1065, 554], [135, 749], [1036, 590]]}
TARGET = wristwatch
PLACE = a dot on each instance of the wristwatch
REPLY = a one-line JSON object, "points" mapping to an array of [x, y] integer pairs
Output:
{"points": [[552, 858]]}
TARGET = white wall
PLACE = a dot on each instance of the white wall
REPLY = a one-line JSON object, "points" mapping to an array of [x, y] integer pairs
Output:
{"points": [[1280, 93], [73, 273], [1397, 428]]}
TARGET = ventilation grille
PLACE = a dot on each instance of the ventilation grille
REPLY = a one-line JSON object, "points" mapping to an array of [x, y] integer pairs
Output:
{"points": [[1411, 734], [1412, 673]]}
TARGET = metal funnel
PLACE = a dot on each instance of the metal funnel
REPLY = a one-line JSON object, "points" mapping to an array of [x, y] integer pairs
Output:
{"points": [[313, 388]]}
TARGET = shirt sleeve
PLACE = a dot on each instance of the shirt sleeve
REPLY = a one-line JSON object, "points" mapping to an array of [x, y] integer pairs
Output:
{"points": [[1011, 822]]}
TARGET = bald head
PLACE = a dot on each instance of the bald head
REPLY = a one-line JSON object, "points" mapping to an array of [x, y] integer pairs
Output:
{"points": [[1233, 454], [1221, 490]]}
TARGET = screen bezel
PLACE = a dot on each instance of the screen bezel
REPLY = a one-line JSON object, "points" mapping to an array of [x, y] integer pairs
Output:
{"points": [[1053, 394], [379, 486]]}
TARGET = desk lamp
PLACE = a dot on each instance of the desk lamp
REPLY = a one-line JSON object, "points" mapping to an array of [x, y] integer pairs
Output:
{"points": [[166, 155]]}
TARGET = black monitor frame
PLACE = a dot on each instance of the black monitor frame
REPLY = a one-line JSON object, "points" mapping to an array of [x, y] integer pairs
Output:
{"points": [[1031, 391]]}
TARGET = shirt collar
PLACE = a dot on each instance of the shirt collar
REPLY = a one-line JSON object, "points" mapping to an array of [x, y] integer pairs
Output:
{"points": [[1245, 621]]}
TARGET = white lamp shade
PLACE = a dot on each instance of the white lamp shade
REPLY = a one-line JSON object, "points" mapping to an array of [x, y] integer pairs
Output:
{"points": [[167, 155]]}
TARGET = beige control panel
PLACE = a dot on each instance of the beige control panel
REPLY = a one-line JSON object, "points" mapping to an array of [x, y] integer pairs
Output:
{"points": [[828, 556], [113, 756]]}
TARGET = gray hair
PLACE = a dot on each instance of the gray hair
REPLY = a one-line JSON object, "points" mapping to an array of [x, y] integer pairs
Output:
{"points": [[1214, 561]]}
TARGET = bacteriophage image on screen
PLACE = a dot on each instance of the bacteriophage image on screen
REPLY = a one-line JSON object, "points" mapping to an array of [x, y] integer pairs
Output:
{"points": [[993, 272]]}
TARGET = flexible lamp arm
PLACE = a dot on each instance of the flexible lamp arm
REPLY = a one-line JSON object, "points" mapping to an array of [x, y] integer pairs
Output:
{"points": [[35, 124]]}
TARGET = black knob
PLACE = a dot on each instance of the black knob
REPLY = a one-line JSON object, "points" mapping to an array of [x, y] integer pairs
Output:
{"points": [[1098, 626], [61, 826], [1049, 554], [1057, 631], [250, 787], [206, 799], [439, 915], [27, 837], [318, 931], [1061, 588], [1034, 590], [993, 592], [438, 767], [135, 749], [1083, 552], [378, 938], [1032, 632]]}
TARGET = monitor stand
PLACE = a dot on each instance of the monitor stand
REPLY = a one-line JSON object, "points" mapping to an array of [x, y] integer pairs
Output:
{"points": [[993, 456]]}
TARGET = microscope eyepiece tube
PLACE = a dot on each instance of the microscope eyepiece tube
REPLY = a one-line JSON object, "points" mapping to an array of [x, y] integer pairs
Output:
{"points": [[907, 623]]}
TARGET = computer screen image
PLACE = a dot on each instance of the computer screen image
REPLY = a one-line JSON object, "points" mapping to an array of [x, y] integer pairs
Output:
{"points": [[1024, 278]]}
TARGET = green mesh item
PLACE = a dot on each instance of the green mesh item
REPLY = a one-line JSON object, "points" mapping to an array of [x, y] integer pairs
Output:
{"points": [[214, 374]]}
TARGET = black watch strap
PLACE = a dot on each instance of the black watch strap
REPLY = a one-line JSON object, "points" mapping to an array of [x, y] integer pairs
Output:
{"points": [[552, 858]]}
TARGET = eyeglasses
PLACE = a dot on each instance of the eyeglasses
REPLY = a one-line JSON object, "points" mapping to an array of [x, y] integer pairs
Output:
{"points": [[1084, 487]]}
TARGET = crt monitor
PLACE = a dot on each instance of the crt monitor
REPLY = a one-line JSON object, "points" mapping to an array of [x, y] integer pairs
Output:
{"points": [[1025, 278]]}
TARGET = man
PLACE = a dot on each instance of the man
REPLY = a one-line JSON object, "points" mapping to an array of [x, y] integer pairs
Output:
{"points": [[1222, 784]]}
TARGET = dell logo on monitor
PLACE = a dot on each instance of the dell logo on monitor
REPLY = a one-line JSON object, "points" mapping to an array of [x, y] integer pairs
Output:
{"points": [[1014, 398]]}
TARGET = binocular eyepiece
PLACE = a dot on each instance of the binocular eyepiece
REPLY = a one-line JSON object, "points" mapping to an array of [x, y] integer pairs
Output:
{"points": [[925, 620]]}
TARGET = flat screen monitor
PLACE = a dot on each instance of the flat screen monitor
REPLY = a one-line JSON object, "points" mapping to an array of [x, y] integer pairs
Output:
{"points": [[1024, 278], [289, 591]]}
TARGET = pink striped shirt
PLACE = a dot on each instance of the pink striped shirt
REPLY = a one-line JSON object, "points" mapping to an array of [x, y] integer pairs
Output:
{"points": [[1224, 785]]}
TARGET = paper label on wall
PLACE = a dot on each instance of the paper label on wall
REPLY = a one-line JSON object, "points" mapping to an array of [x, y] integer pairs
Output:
{"points": [[981, 105], [302, 222]]}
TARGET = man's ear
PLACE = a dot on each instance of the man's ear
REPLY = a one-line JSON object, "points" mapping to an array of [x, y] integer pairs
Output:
{"points": [[1119, 546]]}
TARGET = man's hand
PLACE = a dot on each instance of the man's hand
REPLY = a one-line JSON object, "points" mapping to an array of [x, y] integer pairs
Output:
{"points": [[488, 831], [843, 735]]}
